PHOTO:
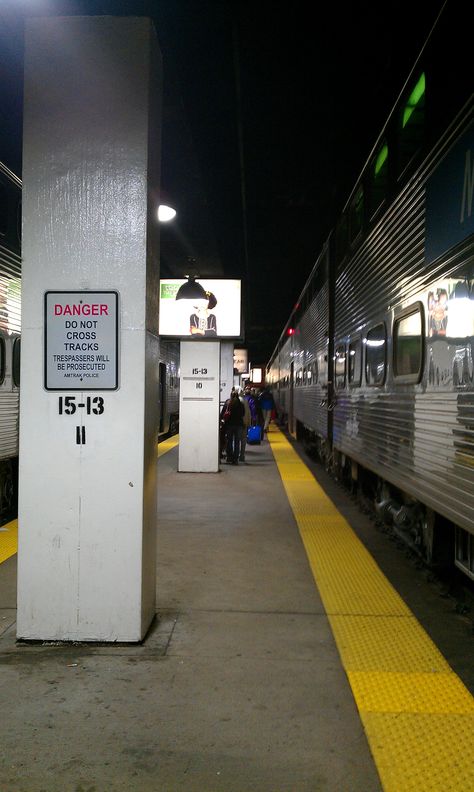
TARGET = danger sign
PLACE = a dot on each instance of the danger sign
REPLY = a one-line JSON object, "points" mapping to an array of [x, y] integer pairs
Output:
{"points": [[81, 340]]}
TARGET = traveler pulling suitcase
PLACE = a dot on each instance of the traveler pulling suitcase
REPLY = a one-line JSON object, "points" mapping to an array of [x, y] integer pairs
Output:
{"points": [[254, 435]]}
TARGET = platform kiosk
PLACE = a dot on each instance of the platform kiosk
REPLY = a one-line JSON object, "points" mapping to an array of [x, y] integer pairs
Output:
{"points": [[205, 314]]}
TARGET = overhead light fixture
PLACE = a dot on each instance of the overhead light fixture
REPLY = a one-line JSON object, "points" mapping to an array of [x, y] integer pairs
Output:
{"points": [[166, 213], [166, 210], [191, 290]]}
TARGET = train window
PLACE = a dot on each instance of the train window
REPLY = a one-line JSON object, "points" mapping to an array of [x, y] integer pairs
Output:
{"points": [[356, 213], [16, 361], [412, 122], [305, 376], [340, 367], [2, 359], [355, 362], [3, 210], [378, 175], [375, 355], [408, 345]]}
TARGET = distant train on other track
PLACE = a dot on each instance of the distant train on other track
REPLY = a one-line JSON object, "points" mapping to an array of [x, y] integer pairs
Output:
{"points": [[10, 348], [375, 367], [10, 327]]}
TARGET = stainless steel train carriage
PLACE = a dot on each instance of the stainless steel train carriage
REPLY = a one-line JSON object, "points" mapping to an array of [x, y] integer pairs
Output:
{"points": [[375, 367], [169, 387], [10, 326]]}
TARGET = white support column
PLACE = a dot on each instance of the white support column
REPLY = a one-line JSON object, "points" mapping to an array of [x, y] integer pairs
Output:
{"points": [[227, 370], [199, 407], [87, 510]]}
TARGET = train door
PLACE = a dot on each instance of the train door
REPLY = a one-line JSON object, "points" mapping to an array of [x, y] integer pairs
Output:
{"points": [[162, 396], [291, 417]]}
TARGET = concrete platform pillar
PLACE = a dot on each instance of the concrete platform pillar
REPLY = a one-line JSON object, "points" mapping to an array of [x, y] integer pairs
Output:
{"points": [[89, 372], [199, 407]]}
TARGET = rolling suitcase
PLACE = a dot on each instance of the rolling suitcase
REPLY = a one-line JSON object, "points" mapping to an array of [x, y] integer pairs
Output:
{"points": [[254, 435]]}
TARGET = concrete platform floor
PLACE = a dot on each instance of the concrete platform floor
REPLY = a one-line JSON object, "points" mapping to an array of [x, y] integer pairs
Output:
{"points": [[238, 686]]}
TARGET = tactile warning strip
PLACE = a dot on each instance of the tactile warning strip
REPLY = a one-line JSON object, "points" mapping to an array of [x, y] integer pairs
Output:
{"points": [[8, 540], [417, 714], [167, 445]]}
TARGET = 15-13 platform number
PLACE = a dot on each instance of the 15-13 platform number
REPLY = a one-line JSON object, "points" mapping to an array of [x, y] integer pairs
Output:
{"points": [[93, 405]]}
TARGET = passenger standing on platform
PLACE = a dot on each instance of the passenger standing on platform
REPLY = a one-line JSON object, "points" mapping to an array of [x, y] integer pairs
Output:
{"points": [[223, 417], [252, 405], [258, 408], [234, 424], [246, 424], [267, 404]]}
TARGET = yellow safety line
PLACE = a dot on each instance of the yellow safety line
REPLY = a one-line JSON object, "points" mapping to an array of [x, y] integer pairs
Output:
{"points": [[8, 540], [417, 714], [167, 445]]}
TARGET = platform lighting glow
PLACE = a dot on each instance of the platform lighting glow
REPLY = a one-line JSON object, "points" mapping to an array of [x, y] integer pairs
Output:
{"points": [[166, 213]]}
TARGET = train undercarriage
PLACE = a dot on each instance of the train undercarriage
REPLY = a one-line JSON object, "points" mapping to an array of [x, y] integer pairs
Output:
{"points": [[435, 540]]}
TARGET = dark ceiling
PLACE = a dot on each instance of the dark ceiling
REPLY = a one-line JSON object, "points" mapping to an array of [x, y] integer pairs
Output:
{"points": [[270, 111]]}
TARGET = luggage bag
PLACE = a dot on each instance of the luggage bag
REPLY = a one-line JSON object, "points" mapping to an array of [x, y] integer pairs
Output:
{"points": [[254, 435]]}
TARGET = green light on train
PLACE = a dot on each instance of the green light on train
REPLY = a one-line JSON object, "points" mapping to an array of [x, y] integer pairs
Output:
{"points": [[381, 159], [413, 100]]}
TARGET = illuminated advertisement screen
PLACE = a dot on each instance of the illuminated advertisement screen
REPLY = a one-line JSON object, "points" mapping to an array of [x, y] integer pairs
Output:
{"points": [[208, 309]]}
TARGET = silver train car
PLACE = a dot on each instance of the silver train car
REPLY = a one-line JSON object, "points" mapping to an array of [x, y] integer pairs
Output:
{"points": [[375, 368], [169, 388], [10, 327]]}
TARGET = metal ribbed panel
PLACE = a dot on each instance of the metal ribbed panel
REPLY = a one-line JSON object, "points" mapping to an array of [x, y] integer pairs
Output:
{"points": [[419, 437], [169, 354], [310, 399], [10, 291], [281, 368], [9, 403], [10, 323], [308, 347]]}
